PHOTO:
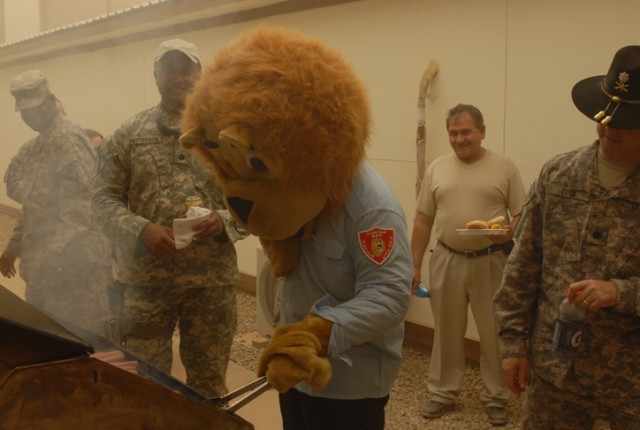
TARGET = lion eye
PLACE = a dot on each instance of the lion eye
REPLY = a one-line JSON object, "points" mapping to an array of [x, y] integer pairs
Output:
{"points": [[257, 164], [211, 144]]}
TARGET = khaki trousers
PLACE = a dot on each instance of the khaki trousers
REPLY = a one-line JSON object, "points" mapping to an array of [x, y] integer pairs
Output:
{"points": [[457, 282]]}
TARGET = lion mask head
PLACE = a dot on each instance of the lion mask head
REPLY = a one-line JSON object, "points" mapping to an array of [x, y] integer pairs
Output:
{"points": [[283, 122]]}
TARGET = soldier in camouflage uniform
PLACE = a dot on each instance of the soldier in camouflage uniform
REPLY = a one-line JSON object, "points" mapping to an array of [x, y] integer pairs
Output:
{"points": [[13, 180], [142, 186], [580, 232], [62, 256]]}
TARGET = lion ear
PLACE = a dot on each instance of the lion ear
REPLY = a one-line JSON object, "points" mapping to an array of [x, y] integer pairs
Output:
{"points": [[192, 138]]}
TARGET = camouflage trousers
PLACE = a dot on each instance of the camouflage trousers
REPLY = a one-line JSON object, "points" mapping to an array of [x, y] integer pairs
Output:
{"points": [[74, 293], [207, 320], [546, 407]]}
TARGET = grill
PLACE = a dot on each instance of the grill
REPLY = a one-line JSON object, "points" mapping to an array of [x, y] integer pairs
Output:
{"points": [[49, 380]]}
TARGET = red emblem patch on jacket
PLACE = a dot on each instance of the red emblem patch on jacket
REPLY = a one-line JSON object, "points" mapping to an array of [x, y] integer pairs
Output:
{"points": [[377, 243]]}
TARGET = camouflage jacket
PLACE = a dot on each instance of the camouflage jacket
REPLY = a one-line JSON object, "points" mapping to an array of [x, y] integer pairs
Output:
{"points": [[574, 229], [145, 176], [19, 165], [55, 190]]}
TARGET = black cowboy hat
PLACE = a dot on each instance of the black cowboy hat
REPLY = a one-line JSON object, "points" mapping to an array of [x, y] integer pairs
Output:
{"points": [[614, 99]]}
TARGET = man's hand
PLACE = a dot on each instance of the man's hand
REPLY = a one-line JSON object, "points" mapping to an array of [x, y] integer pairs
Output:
{"points": [[7, 264], [210, 227], [593, 294], [500, 238], [159, 240], [516, 372], [415, 281], [503, 238]]}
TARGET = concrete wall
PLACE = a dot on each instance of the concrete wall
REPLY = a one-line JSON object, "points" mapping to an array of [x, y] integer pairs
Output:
{"points": [[517, 60]]}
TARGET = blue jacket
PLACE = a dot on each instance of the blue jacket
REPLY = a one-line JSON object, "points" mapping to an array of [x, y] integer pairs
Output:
{"points": [[356, 272]]}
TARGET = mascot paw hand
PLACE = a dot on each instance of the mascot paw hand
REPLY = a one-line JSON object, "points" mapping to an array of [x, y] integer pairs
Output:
{"points": [[317, 326], [283, 373], [292, 357]]}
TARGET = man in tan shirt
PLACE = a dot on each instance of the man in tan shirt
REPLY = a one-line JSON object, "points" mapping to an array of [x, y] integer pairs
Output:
{"points": [[465, 270]]}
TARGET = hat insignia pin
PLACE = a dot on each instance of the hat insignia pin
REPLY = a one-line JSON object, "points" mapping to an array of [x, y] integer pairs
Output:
{"points": [[621, 83]]}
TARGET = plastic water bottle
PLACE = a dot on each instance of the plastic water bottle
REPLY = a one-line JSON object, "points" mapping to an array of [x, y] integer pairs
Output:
{"points": [[567, 334], [422, 291]]}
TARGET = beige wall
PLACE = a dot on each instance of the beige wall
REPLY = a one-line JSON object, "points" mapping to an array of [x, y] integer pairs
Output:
{"points": [[24, 19], [58, 13], [2, 23], [515, 59]]}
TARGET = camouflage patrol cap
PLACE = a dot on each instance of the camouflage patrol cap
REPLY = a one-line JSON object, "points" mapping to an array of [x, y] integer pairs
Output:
{"points": [[187, 48], [30, 89]]}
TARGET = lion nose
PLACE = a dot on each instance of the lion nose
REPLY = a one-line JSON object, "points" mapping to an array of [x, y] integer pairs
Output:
{"points": [[241, 207]]}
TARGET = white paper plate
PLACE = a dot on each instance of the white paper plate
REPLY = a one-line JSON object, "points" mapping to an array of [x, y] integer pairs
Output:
{"points": [[481, 231]]}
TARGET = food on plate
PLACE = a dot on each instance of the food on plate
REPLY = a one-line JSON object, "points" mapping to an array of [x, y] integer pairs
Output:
{"points": [[477, 224], [493, 223]]}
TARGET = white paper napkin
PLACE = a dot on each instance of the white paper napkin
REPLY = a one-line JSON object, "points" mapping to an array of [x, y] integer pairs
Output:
{"points": [[183, 227]]}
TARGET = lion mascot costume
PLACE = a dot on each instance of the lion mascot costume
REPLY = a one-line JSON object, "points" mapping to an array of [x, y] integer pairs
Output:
{"points": [[283, 121]]}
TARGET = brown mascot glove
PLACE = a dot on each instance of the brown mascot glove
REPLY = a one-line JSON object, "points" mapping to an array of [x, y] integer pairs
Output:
{"points": [[297, 353]]}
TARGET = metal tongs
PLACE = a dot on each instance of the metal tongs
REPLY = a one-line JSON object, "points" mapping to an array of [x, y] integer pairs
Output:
{"points": [[254, 389]]}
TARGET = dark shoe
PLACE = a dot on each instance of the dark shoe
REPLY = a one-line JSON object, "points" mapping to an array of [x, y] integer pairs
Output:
{"points": [[436, 409], [497, 415]]}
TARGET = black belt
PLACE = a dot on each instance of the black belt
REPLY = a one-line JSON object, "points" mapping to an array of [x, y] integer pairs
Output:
{"points": [[504, 247]]}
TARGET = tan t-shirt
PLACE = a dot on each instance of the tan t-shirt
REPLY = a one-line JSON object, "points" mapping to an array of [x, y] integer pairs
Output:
{"points": [[456, 193], [610, 172]]}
